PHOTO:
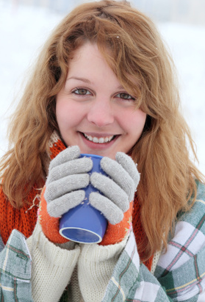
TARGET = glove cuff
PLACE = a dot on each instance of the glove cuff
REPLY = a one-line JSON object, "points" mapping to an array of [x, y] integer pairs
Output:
{"points": [[116, 233], [50, 225]]}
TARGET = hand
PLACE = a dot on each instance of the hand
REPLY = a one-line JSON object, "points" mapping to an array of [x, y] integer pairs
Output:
{"points": [[118, 188], [66, 177]]}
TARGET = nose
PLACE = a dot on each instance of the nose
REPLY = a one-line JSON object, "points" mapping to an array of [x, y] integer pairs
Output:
{"points": [[101, 113]]}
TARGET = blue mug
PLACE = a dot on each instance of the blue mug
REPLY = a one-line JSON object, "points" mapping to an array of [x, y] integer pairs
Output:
{"points": [[85, 224]]}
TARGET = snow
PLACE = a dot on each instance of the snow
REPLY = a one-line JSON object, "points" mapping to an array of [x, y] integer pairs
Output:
{"points": [[24, 29]]}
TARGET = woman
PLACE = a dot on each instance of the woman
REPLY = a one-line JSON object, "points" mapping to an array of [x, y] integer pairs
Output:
{"points": [[104, 84]]}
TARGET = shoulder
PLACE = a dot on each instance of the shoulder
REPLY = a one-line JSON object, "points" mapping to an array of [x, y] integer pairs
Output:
{"points": [[189, 235], [196, 216], [183, 263]]}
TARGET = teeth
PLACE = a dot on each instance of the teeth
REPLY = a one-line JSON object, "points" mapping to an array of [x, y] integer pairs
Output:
{"points": [[99, 140]]}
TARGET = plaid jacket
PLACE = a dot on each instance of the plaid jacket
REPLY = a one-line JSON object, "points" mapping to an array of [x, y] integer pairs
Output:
{"points": [[179, 275]]}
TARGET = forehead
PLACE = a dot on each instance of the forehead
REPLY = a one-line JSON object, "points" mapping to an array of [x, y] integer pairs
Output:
{"points": [[89, 54], [86, 57], [89, 66]]}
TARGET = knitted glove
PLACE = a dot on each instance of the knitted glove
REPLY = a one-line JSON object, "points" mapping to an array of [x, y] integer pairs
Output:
{"points": [[63, 191], [118, 189]]}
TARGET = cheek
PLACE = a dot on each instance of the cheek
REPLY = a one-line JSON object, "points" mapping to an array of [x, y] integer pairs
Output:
{"points": [[66, 114], [61, 113], [134, 122], [141, 119]]}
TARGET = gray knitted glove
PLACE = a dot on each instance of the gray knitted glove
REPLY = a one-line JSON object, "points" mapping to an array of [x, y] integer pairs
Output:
{"points": [[118, 189], [67, 174]]}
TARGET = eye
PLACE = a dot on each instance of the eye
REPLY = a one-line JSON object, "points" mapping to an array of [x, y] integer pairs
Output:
{"points": [[81, 91], [125, 96]]}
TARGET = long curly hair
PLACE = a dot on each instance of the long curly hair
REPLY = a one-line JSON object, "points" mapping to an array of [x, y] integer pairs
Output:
{"points": [[134, 50]]}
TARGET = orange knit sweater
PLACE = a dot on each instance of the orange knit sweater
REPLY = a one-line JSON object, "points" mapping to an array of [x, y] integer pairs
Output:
{"points": [[24, 219]]}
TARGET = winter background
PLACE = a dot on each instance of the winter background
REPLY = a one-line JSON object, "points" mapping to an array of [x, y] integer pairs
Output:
{"points": [[25, 24]]}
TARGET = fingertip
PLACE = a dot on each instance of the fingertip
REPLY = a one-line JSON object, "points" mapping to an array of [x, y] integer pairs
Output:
{"points": [[86, 180], [105, 162], [88, 162], [127, 206], [116, 218], [80, 195], [92, 178], [74, 151], [52, 211], [119, 155], [68, 154], [93, 197], [137, 179]]}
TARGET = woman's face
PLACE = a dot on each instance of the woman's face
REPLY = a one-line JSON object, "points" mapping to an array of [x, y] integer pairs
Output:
{"points": [[93, 110]]}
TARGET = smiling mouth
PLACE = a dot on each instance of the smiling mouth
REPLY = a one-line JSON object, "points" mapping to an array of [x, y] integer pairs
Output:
{"points": [[99, 140]]}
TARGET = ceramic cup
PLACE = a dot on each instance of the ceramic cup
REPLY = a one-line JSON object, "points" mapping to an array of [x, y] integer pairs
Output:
{"points": [[85, 224]]}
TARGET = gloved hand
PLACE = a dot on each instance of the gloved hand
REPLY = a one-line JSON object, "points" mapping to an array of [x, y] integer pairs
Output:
{"points": [[118, 189], [63, 190]]}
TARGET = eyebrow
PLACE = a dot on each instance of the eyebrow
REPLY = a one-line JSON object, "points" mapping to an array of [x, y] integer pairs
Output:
{"points": [[79, 79], [88, 81]]}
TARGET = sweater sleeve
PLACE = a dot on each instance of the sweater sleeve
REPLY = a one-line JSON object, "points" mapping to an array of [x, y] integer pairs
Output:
{"points": [[52, 267], [95, 267]]}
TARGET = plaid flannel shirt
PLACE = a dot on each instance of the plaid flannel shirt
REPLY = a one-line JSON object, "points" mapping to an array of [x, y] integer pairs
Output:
{"points": [[179, 275], [15, 270]]}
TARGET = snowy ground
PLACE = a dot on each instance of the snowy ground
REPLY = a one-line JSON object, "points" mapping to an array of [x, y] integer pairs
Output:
{"points": [[24, 29]]}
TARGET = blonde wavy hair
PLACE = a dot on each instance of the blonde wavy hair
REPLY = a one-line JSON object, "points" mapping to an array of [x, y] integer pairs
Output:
{"points": [[136, 55]]}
